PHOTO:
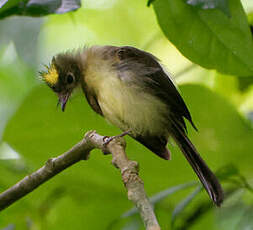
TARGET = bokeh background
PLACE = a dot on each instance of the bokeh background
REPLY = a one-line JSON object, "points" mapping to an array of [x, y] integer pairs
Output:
{"points": [[90, 194]]}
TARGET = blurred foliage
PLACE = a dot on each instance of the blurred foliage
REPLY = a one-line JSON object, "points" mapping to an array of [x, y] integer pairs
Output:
{"points": [[90, 194], [37, 7]]}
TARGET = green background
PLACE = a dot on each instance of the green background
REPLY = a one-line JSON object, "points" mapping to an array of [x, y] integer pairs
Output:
{"points": [[90, 194]]}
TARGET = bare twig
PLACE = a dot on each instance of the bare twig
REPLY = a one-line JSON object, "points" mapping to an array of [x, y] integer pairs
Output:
{"points": [[129, 171], [52, 167]]}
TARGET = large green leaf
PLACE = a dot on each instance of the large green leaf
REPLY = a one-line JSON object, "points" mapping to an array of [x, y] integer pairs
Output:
{"points": [[208, 37]]}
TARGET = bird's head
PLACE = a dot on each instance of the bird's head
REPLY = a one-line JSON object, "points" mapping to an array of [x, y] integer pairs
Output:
{"points": [[63, 76]]}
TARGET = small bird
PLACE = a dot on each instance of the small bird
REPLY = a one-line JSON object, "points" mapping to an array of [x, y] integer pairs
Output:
{"points": [[133, 91]]}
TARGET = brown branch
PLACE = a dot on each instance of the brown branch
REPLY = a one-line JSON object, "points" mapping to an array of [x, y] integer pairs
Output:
{"points": [[129, 171]]}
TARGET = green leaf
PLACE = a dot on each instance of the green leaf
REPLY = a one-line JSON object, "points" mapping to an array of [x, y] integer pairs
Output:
{"points": [[227, 171], [231, 173], [193, 217], [160, 196], [208, 37], [235, 216], [245, 83], [163, 194], [15, 81], [246, 221], [150, 2], [23, 32], [6, 152], [134, 224], [37, 8], [184, 203], [211, 4]]}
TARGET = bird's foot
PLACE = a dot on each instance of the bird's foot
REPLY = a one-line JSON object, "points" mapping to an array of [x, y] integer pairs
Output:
{"points": [[107, 139]]}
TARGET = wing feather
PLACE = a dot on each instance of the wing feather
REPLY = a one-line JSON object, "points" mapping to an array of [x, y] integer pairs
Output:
{"points": [[156, 80]]}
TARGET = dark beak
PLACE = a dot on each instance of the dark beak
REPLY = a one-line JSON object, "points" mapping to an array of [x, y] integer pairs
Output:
{"points": [[63, 98]]}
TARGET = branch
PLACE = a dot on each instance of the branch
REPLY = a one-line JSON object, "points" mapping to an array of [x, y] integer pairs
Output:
{"points": [[129, 171]]}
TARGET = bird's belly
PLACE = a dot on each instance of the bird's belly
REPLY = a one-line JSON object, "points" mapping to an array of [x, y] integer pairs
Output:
{"points": [[132, 108]]}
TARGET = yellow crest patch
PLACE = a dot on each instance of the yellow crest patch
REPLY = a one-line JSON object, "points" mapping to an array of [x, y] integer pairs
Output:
{"points": [[51, 77]]}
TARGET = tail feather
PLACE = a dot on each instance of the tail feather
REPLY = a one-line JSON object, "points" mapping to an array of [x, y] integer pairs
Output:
{"points": [[206, 176]]}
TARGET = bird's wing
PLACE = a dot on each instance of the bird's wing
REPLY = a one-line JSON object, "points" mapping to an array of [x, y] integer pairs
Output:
{"points": [[157, 81], [92, 100]]}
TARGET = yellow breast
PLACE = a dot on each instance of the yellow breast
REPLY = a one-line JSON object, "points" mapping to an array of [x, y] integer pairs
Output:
{"points": [[126, 106]]}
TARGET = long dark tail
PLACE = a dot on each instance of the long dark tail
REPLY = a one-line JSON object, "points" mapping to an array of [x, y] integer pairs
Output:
{"points": [[206, 176]]}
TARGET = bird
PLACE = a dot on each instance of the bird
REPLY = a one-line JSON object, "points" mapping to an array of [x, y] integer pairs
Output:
{"points": [[132, 90]]}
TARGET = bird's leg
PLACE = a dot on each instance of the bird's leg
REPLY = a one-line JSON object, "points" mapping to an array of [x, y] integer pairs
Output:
{"points": [[107, 140]]}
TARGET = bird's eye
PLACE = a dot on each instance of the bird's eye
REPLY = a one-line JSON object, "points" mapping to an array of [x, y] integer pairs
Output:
{"points": [[70, 78]]}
